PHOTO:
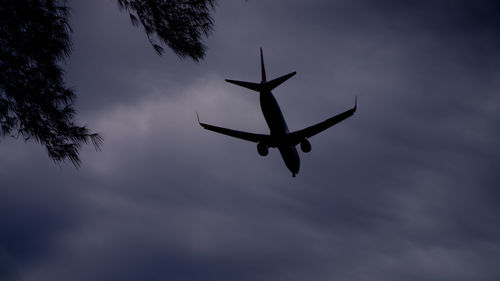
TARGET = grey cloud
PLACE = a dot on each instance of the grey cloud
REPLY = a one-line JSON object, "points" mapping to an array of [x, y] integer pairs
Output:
{"points": [[405, 189]]}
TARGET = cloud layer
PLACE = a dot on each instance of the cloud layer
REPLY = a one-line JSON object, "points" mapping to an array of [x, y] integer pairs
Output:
{"points": [[405, 189]]}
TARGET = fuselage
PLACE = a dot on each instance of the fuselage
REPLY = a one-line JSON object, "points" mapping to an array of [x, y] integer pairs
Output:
{"points": [[279, 130]]}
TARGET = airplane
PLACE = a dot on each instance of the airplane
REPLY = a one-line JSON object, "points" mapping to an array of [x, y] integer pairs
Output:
{"points": [[279, 136]]}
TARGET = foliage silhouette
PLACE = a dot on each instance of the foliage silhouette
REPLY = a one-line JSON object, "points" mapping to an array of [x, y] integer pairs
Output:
{"points": [[180, 24], [35, 38], [34, 101]]}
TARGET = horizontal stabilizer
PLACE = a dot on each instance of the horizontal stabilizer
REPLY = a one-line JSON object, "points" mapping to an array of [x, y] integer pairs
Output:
{"points": [[252, 86], [265, 86], [276, 82]]}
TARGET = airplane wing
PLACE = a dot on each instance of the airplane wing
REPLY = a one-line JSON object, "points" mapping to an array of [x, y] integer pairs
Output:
{"points": [[308, 132], [237, 134]]}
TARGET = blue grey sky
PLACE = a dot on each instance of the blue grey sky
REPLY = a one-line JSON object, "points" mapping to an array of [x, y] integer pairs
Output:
{"points": [[406, 189]]}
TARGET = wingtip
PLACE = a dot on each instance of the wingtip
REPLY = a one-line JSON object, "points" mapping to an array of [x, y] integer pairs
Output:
{"points": [[198, 117], [355, 102]]}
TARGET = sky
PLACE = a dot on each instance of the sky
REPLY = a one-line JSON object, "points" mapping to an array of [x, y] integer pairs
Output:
{"points": [[405, 189]]}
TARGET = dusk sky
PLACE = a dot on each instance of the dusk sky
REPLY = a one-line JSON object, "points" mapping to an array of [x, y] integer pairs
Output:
{"points": [[408, 188]]}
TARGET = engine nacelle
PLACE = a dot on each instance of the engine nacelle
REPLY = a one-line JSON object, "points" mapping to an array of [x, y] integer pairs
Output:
{"points": [[262, 149], [305, 145]]}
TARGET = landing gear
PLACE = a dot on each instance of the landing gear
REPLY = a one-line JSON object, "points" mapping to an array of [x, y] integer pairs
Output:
{"points": [[293, 175]]}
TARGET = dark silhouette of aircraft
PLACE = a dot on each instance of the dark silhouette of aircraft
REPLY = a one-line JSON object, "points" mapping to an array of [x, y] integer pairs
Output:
{"points": [[279, 135]]}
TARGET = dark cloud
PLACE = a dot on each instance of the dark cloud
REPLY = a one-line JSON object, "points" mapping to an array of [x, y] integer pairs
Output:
{"points": [[405, 189], [38, 207]]}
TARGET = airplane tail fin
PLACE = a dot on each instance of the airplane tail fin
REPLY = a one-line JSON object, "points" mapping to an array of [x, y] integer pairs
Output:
{"points": [[262, 68], [264, 85]]}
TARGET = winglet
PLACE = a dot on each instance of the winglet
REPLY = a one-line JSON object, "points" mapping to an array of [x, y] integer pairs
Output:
{"points": [[198, 117], [355, 103]]}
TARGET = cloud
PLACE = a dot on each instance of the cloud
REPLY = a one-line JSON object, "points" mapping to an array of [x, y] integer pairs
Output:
{"points": [[405, 189]]}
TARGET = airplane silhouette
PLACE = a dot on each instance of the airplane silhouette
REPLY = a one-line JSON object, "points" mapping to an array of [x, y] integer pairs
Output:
{"points": [[279, 135]]}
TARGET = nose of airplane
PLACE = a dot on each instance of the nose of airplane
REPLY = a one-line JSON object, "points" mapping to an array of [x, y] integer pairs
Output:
{"points": [[291, 158], [294, 167]]}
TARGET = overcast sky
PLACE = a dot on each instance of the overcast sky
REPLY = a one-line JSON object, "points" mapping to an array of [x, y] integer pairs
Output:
{"points": [[406, 189]]}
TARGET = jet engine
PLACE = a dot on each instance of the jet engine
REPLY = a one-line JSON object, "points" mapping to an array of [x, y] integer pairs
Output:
{"points": [[305, 145], [262, 149]]}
